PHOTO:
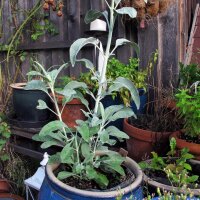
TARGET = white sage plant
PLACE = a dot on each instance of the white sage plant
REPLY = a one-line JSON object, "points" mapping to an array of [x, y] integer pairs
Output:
{"points": [[85, 149]]}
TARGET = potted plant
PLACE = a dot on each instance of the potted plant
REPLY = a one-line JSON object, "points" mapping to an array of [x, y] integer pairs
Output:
{"points": [[188, 103], [172, 173], [4, 137], [85, 165], [151, 131]]}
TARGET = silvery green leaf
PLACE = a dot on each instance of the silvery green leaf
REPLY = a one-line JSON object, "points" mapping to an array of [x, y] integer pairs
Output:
{"points": [[42, 105], [77, 46], [95, 121], [102, 110], [121, 41], [34, 73], [91, 15], [36, 85], [54, 158], [48, 144], [85, 150], [54, 73], [123, 113], [66, 154], [145, 1], [127, 10], [75, 85], [125, 83], [88, 64], [114, 131], [83, 100], [57, 136], [84, 130], [104, 136], [52, 126], [109, 111], [63, 175]]}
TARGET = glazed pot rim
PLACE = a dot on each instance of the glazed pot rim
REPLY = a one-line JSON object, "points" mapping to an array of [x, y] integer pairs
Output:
{"points": [[18, 85], [168, 187], [131, 164]]}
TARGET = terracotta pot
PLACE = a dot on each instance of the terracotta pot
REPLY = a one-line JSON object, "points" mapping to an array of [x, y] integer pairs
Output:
{"points": [[180, 143], [142, 142], [4, 186], [72, 111]]}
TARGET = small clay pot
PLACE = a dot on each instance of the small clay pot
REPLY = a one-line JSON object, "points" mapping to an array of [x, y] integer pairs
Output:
{"points": [[142, 142], [180, 144], [4, 186], [72, 111], [152, 7]]}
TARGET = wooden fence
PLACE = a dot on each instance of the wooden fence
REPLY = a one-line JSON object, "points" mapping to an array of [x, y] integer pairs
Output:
{"points": [[168, 33]]}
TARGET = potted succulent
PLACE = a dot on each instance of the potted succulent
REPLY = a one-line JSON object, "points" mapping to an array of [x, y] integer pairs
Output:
{"points": [[84, 165], [188, 103], [4, 137], [172, 173]]}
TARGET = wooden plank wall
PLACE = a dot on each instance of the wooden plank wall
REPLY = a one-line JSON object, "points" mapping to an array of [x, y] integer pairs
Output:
{"points": [[54, 50]]}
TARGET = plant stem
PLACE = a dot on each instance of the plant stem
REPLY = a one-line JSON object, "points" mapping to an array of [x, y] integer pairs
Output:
{"points": [[106, 57], [32, 13]]}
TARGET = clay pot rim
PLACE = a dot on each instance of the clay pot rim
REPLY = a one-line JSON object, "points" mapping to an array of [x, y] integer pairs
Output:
{"points": [[177, 135], [146, 135], [131, 164], [18, 85], [156, 184]]}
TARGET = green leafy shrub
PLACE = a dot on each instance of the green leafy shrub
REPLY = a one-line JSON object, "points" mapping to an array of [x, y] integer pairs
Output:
{"points": [[177, 170], [188, 75], [188, 102]]}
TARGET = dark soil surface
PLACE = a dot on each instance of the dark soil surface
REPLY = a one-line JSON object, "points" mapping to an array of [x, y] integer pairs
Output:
{"points": [[186, 137], [165, 120], [114, 180]]}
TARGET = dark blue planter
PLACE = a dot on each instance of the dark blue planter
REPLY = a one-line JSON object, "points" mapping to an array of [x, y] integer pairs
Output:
{"points": [[53, 189]]}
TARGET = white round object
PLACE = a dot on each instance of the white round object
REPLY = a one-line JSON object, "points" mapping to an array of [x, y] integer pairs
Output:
{"points": [[98, 25]]}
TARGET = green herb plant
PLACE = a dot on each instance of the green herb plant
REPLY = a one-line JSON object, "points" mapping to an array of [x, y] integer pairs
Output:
{"points": [[84, 149], [188, 102], [177, 169], [188, 75]]}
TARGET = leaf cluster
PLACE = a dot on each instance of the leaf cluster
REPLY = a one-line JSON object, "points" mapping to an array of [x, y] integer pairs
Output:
{"points": [[188, 75], [177, 169], [188, 102]]}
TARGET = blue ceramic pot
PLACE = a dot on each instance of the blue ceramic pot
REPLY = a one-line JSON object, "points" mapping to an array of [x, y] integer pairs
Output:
{"points": [[53, 189]]}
